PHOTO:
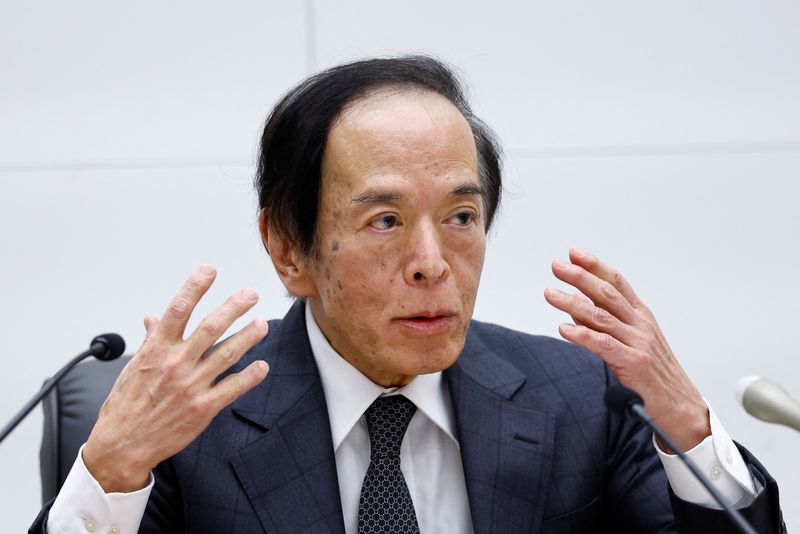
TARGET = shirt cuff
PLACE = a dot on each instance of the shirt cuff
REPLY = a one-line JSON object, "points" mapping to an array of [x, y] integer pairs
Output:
{"points": [[83, 507], [718, 458]]}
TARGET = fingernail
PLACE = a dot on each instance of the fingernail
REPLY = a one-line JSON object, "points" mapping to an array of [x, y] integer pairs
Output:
{"points": [[566, 327], [561, 264], [262, 365], [250, 295], [207, 269], [578, 253], [261, 324], [554, 293]]}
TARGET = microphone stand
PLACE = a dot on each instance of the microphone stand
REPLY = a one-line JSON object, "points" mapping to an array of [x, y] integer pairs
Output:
{"points": [[99, 348]]}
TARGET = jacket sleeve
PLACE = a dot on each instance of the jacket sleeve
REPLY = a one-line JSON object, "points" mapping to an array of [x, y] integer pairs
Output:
{"points": [[39, 524], [639, 498], [164, 512], [764, 514]]}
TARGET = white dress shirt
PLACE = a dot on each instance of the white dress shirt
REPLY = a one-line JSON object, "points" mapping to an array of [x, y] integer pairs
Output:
{"points": [[429, 459]]}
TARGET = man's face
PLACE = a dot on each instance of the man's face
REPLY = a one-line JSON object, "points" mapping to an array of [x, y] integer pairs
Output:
{"points": [[401, 235]]}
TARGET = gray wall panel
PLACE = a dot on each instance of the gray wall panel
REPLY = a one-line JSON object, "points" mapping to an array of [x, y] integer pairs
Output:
{"points": [[566, 74], [146, 82], [665, 137]]}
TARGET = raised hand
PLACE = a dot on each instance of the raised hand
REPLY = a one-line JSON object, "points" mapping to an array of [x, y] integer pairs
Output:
{"points": [[611, 321], [167, 394]]}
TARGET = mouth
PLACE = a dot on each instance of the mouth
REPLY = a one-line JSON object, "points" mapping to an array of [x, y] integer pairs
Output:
{"points": [[426, 323]]}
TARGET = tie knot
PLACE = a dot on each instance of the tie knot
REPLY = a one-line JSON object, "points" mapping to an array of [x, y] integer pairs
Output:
{"points": [[387, 421]]}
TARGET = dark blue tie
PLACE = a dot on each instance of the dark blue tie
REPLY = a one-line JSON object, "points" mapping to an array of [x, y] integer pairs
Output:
{"points": [[385, 506]]}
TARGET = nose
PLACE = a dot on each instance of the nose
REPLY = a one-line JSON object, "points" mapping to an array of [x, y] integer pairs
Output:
{"points": [[426, 263]]}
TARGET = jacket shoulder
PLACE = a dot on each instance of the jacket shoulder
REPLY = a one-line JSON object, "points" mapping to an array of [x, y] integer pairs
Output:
{"points": [[526, 351], [285, 337]]}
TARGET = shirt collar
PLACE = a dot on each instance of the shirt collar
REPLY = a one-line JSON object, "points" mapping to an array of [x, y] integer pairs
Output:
{"points": [[349, 393]]}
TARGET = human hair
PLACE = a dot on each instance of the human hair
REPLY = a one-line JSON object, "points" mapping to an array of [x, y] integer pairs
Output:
{"points": [[289, 170]]}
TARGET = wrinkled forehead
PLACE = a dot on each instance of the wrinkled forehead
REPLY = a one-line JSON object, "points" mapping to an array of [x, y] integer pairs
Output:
{"points": [[398, 128]]}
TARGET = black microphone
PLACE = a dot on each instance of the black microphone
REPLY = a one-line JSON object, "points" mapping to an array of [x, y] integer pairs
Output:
{"points": [[105, 347], [626, 402]]}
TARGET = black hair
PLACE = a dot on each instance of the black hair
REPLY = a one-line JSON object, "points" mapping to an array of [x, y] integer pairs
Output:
{"points": [[289, 171]]}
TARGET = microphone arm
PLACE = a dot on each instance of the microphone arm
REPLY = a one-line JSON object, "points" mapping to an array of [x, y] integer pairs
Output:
{"points": [[105, 347], [633, 406]]}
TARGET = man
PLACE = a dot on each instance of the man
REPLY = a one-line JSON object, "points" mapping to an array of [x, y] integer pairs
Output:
{"points": [[387, 408]]}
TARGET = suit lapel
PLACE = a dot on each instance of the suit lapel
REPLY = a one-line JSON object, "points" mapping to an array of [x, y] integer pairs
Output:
{"points": [[289, 473], [506, 448]]}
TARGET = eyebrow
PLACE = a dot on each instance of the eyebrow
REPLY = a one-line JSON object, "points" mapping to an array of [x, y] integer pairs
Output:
{"points": [[467, 189], [383, 198], [377, 198]]}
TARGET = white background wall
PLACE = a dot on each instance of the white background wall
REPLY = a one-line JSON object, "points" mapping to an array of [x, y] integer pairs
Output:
{"points": [[664, 136]]}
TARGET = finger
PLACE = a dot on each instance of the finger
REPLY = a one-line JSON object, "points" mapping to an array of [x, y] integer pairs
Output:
{"points": [[580, 296], [234, 386], [605, 272], [215, 324], [173, 322], [587, 314], [230, 351], [150, 324], [611, 350], [601, 292]]}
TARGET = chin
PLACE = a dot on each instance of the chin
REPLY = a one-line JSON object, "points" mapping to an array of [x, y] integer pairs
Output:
{"points": [[431, 360]]}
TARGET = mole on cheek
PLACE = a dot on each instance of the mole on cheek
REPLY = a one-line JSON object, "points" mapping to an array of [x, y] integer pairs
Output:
{"points": [[334, 245], [339, 283]]}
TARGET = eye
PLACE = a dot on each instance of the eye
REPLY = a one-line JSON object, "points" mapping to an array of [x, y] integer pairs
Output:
{"points": [[463, 218], [385, 222]]}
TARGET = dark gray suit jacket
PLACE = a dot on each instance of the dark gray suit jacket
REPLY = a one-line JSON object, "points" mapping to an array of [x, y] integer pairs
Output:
{"points": [[540, 451]]}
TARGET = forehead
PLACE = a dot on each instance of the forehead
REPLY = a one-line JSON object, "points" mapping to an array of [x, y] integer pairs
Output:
{"points": [[408, 133]]}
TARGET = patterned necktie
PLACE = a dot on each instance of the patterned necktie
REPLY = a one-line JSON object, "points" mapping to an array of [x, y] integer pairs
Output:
{"points": [[385, 506]]}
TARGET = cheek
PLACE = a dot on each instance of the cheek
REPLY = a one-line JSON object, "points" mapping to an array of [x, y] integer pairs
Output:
{"points": [[467, 259], [355, 297], [467, 265], [355, 279]]}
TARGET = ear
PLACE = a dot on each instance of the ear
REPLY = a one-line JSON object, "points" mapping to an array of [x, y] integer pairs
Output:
{"points": [[290, 266]]}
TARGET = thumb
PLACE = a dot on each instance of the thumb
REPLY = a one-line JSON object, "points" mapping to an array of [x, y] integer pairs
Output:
{"points": [[150, 324]]}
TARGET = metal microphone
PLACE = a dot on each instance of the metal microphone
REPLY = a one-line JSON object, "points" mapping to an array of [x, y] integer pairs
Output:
{"points": [[764, 399], [105, 347], [626, 402]]}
